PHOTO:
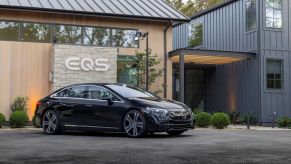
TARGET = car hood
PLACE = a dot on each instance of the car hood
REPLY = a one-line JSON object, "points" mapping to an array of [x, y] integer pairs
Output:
{"points": [[158, 103]]}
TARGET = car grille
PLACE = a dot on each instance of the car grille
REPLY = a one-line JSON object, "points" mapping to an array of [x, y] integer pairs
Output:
{"points": [[180, 115]]}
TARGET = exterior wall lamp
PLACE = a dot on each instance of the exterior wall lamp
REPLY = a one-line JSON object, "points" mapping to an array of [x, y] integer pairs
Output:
{"points": [[142, 35]]}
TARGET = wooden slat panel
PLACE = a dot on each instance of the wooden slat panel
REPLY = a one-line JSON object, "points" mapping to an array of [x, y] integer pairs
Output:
{"points": [[24, 72]]}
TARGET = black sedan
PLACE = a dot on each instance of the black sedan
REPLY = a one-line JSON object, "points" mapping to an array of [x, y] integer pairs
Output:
{"points": [[111, 108]]}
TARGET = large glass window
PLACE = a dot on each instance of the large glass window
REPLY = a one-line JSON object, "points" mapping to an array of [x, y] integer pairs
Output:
{"points": [[125, 70], [34, 32], [124, 38], [275, 76], [68, 34], [196, 34], [9, 31], [78, 35], [273, 13], [74, 92], [96, 36], [130, 92], [99, 93], [251, 15]]}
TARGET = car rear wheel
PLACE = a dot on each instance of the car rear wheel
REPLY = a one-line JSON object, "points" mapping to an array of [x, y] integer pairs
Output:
{"points": [[175, 133], [134, 124], [50, 122]]}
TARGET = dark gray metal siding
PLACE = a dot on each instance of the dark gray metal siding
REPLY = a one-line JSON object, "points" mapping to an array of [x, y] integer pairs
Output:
{"points": [[232, 86], [277, 44], [224, 29]]}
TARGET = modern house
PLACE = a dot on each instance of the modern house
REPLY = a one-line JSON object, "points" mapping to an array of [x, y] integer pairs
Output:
{"points": [[236, 57], [48, 44]]}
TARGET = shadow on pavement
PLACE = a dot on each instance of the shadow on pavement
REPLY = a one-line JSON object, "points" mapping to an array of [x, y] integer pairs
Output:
{"points": [[108, 134]]}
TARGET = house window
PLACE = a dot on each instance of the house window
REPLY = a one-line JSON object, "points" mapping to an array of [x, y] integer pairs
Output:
{"points": [[251, 15], [126, 71], [196, 34], [94, 36], [34, 32], [124, 38], [273, 13], [275, 76], [68, 34], [9, 31]]}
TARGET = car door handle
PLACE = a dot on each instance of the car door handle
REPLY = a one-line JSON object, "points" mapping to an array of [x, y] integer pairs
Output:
{"points": [[88, 105]]}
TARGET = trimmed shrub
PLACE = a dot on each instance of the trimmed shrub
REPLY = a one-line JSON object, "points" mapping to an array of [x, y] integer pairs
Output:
{"points": [[284, 122], [234, 117], [2, 120], [19, 104], [18, 119], [253, 119], [203, 119], [220, 120]]}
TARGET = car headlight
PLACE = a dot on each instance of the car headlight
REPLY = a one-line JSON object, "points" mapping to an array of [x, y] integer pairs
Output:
{"points": [[190, 112], [161, 114]]}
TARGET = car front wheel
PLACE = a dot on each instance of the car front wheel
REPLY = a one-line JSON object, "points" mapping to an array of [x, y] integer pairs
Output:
{"points": [[134, 124], [50, 122]]}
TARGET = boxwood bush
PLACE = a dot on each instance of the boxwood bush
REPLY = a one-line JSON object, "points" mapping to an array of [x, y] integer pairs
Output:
{"points": [[18, 119], [203, 119], [2, 120], [284, 122], [220, 120]]}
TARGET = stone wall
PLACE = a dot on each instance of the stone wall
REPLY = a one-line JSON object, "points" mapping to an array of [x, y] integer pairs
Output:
{"points": [[80, 71]]}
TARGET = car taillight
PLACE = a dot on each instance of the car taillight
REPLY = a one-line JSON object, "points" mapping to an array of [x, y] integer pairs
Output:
{"points": [[38, 104]]}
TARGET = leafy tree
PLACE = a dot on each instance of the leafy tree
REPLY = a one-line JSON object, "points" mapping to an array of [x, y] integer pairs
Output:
{"points": [[36, 32], [9, 30], [139, 62], [196, 35], [68, 34], [190, 7], [96, 36]]}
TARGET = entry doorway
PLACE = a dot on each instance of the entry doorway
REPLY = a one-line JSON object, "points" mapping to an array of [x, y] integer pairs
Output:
{"points": [[194, 87]]}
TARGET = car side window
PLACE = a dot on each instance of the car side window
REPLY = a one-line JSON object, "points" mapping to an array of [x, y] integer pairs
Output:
{"points": [[99, 93], [74, 92]]}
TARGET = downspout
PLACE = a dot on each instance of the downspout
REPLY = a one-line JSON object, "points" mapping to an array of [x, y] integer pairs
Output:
{"points": [[259, 53], [166, 58]]}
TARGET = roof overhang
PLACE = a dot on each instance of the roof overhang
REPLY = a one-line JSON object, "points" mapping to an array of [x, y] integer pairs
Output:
{"points": [[101, 15], [129, 9], [206, 57]]}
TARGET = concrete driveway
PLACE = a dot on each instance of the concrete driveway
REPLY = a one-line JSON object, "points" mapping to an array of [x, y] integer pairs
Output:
{"points": [[197, 146]]}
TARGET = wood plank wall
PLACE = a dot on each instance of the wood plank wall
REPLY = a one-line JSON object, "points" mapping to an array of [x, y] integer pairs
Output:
{"points": [[24, 71]]}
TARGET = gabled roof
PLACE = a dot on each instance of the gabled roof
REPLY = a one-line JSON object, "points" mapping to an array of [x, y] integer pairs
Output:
{"points": [[147, 9]]}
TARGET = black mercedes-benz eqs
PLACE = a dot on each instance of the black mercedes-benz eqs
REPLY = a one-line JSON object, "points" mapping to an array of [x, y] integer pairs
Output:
{"points": [[111, 108]]}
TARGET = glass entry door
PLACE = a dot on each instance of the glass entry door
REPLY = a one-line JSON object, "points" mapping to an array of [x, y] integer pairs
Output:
{"points": [[194, 87]]}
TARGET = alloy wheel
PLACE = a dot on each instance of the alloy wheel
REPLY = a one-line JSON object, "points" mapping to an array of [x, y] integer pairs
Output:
{"points": [[134, 124], [50, 122]]}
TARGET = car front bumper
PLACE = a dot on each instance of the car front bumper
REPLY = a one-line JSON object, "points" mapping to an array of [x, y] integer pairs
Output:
{"points": [[177, 125]]}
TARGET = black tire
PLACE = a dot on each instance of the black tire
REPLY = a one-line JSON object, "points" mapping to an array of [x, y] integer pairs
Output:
{"points": [[134, 124], [175, 133], [51, 123]]}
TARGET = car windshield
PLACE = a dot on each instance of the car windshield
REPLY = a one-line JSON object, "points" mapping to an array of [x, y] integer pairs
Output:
{"points": [[130, 92]]}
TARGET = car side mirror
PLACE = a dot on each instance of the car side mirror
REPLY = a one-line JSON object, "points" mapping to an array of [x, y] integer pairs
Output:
{"points": [[108, 99]]}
